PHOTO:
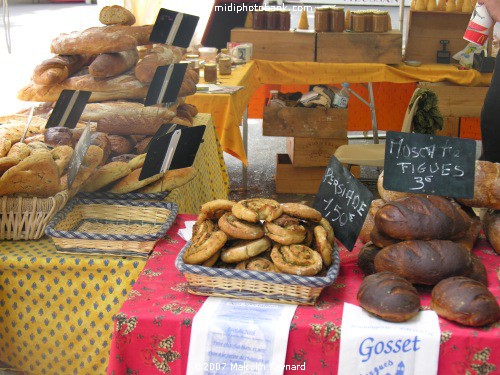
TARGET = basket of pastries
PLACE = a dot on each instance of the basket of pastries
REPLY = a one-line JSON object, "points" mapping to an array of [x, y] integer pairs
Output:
{"points": [[31, 174], [262, 250], [111, 227]]}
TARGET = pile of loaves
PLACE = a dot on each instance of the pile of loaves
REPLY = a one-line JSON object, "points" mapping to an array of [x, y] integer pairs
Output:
{"points": [[427, 240], [38, 166], [294, 238]]}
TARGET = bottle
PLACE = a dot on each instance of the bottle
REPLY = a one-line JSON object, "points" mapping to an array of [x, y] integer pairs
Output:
{"points": [[274, 100], [303, 22], [342, 97]]}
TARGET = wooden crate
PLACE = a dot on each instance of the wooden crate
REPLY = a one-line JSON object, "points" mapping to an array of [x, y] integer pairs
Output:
{"points": [[457, 101], [305, 122], [299, 180], [312, 152], [277, 45], [450, 128], [426, 29], [348, 47]]}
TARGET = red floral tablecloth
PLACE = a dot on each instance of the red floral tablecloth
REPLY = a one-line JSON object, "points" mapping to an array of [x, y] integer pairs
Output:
{"points": [[153, 328]]}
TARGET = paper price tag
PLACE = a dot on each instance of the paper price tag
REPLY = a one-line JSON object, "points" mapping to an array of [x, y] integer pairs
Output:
{"points": [[68, 108], [173, 28], [343, 201], [81, 149]]}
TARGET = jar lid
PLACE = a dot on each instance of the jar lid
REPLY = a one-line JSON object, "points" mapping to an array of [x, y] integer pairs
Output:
{"points": [[224, 59], [192, 56], [210, 65], [224, 50], [337, 9], [323, 8]]}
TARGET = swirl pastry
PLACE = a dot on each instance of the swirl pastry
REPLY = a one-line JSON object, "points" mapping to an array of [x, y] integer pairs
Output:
{"points": [[323, 246], [206, 241], [257, 264], [285, 220], [240, 229], [257, 209], [216, 208], [301, 211], [212, 260], [285, 235], [296, 260], [244, 250]]}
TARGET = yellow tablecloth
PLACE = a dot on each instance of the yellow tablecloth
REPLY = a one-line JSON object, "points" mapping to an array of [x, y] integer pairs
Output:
{"points": [[227, 110], [56, 309], [308, 73]]}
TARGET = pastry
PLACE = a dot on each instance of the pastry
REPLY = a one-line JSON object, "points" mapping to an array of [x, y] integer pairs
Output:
{"points": [[301, 211], [285, 235], [322, 245], [330, 235], [216, 208], [207, 240], [257, 264], [243, 250], [256, 209], [296, 260], [240, 229]]}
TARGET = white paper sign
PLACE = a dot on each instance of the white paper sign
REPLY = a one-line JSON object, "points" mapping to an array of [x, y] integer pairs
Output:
{"points": [[371, 346], [231, 336], [187, 232]]}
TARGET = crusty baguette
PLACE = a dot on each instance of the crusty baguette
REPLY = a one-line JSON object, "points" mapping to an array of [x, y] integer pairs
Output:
{"points": [[97, 111], [171, 180], [116, 15], [123, 125], [58, 68], [159, 55], [112, 64]]}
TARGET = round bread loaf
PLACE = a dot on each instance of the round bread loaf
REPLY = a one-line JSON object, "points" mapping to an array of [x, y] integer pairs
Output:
{"points": [[390, 195], [101, 140], [477, 271], [389, 296], [465, 301], [366, 258], [424, 262], [120, 145], [58, 136], [364, 234], [486, 186], [491, 224]]}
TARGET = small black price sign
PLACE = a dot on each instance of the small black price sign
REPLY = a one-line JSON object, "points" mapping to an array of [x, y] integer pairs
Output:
{"points": [[68, 108], [343, 201], [429, 164], [173, 28], [166, 84]]}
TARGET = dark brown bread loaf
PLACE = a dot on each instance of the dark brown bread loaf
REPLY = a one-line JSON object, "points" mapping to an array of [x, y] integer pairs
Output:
{"points": [[486, 186], [424, 262], [491, 224], [389, 296], [58, 136], [101, 140], [366, 258], [421, 218], [112, 64], [364, 234], [381, 240], [120, 145], [465, 301], [477, 271]]}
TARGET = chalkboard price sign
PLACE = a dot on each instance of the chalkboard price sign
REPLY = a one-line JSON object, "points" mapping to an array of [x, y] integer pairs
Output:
{"points": [[429, 164], [343, 201]]}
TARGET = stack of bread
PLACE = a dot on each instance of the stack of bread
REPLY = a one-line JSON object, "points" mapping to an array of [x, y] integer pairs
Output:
{"points": [[424, 240], [294, 238]]}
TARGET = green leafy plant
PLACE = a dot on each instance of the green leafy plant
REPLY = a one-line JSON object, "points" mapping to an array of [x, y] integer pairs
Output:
{"points": [[427, 118]]}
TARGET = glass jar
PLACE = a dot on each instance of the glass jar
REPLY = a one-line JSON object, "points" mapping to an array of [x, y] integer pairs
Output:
{"points": [[337, 19], [380, 22], [322, 20], [358, 22], [273, 20], [368, 21], [195, 65], [259, 19], [284, 20], [225, 66], [210, 71]]}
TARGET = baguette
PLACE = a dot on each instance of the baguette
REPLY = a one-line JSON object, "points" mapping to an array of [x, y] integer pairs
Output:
{"points": [[171, 180], [58, 68], [112, 64], [98, 111], [124, 125], [159, 55]]}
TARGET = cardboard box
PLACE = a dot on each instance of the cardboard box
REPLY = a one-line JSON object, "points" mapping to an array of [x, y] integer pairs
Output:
{"points": [[275, 45], [426, 29], [348, 47], [300, 180], [312, 152], [457, 101], [305, 122]]}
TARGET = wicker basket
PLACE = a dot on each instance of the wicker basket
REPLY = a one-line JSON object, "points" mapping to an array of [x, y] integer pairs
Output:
{"points": [[125, 197], [255, 285], [111, 227], [25, 218]]}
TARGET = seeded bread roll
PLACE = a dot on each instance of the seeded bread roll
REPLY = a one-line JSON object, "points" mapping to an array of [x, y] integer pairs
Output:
{"points": [[424, 262], [465, 301], [389, 296]]}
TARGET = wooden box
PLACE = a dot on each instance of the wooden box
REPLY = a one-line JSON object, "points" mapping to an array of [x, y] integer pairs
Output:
{"points": [[300, 180], [277, 45], [457, 101], [348, 47], [451, 127], [305, 122], [426, 29], [312, 152]]}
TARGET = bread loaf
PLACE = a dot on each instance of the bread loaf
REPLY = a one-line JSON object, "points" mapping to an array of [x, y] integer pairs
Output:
{"points": [[390, 195], [120, 145], [421, 218], [116, 15], [159, 55], [112, 64], [491, 224], [366, 258], [380, 239], [364, 234], [140, 147], [131, 182], [389, 296], [486, 186], [188, 108], [171, 180], [477, 271], [101, 140], [465, 301], [58, 136], [58, 68], [424, 262], [106, 175], [98, 111]]}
